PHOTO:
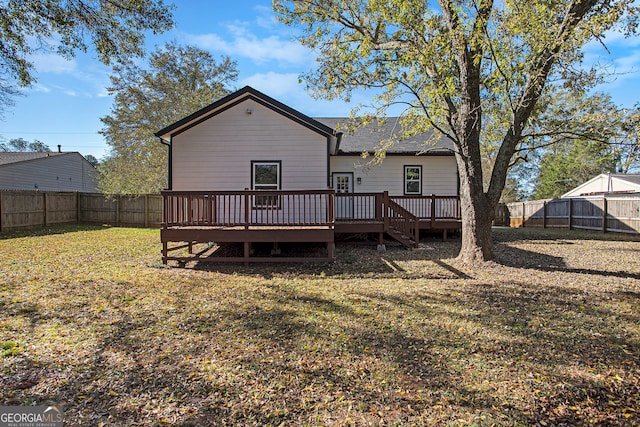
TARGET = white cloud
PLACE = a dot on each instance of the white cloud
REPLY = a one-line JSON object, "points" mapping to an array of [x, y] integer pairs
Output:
{"points": [[243, 43], [79, 77], [41, 88], [613, 40], [618, 39], [286, 88], [52, 63], [276, 85], [265, 17], [629, 63]]}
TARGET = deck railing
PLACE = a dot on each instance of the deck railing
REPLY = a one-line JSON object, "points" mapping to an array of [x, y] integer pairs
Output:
{"points": [[402, 221], [297, 208], [248, 208], [431, 207], [359, 207]]}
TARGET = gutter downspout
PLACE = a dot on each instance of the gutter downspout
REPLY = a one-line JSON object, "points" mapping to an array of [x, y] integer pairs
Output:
{"points": [[338, 139]]}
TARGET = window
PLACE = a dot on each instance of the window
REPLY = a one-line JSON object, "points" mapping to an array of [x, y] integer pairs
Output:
{"points": [[265, 175], [413, 180]]}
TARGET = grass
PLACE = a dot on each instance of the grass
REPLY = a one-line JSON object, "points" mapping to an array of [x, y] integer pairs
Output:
{"points": [[549, 334]]}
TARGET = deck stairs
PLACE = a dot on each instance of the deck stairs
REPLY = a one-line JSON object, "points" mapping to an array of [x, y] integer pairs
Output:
{"points": [[400, 224]]}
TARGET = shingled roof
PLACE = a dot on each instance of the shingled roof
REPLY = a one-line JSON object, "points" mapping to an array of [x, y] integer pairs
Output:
{"points": [[368, 138], [15, 157]]}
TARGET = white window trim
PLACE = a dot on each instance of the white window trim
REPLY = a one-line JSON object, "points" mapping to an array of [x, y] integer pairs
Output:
{"points": [[276, 186], [418, 180]]}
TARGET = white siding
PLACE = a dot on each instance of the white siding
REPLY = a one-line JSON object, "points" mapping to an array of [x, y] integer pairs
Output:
{"points": [[66, 172], [439, 174], [217, 153]]}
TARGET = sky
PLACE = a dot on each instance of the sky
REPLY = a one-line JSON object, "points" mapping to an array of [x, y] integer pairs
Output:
{"points": [[66, 103]]}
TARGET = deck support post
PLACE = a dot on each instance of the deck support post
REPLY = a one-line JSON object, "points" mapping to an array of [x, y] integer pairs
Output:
{"points": [[164, 253], [247, 249], [276, 250], [331, 251]]}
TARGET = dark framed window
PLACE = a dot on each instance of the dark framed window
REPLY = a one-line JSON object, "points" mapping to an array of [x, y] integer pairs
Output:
{"points": [[266, 175], [413, 180]]}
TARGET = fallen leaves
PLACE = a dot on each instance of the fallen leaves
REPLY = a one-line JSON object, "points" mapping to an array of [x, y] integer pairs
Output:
{"points": [[547, 335]]}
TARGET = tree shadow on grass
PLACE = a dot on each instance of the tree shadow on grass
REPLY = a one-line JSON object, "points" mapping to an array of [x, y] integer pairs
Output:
{"points": [[355, 262], [363, 261], [557, 235], [372, 357], [557, 349], [519, 258], [51, 230]]}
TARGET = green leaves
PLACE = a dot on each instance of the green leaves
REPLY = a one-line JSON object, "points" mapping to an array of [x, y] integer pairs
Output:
{"points": [[178, 81], [114, 29], [474, 70]]}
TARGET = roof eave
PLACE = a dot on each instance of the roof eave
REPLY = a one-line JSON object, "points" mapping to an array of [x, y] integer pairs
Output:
{"points": [[249, 93]]}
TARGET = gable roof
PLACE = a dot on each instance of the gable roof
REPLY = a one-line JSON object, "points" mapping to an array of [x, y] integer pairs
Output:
{"points": [[607, 184], [235, 98], [368, 138], [15, 157]]}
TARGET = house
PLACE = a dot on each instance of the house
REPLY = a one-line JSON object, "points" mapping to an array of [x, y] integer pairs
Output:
{"points": [[68, 171], [607, 184], [250, 169]]}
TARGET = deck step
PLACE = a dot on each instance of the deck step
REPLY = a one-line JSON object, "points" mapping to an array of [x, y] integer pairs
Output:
{"points": [[405, 240]]}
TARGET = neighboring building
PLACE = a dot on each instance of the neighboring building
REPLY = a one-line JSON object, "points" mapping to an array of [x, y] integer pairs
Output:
{"points": [[223, 158], [607, 183], [47, 172]]}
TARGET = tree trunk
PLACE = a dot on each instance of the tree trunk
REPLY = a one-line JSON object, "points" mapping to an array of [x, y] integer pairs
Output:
{"points": [[477, 242], [477, 217]]}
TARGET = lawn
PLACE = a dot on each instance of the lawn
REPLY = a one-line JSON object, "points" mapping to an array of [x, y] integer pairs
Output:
{"points": [[547, 335]]}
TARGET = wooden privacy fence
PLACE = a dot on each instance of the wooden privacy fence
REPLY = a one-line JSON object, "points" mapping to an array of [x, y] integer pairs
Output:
{"points": [[24, 209], [618, 214]]}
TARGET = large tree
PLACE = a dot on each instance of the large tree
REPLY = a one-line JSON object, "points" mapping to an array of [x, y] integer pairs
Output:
{"points": [[177, 81], [628, 141], [471, 69], [571, 164], [114, 28]]}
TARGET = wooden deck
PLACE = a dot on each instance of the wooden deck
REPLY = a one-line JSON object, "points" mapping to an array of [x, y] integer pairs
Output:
{"points": [[309, 216]]}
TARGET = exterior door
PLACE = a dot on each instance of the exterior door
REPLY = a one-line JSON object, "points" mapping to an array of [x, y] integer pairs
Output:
{"points": [[343, 184]]}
